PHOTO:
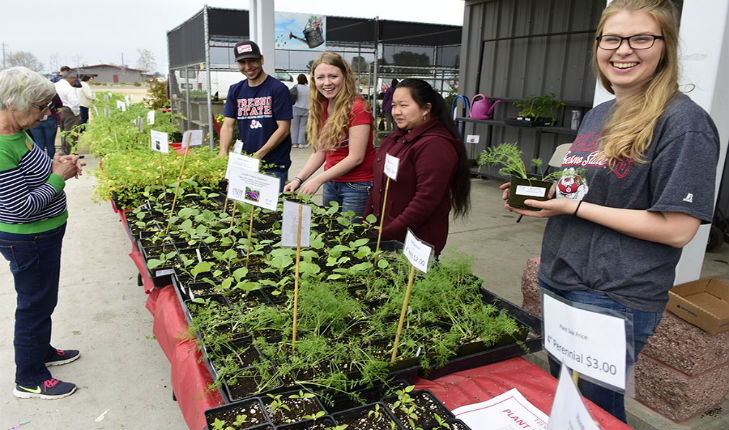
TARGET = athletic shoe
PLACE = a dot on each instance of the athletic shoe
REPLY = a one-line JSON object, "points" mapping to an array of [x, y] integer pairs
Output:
{"points": [[63, 357], [49, 389]]}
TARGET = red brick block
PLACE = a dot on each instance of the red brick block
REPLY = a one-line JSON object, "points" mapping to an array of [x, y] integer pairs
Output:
{"points": [[685, 347], [530, 305], [530, 283], [676, 395]]}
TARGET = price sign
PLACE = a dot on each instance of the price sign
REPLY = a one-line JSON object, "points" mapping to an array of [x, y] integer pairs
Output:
{"points": [[241, 162], [238, 147], [391, 166], [473, 138], [150, 117], [417, 252], [568, 410], [160, 142], [290, 224], [590, 342], [254, 188], [192, 136], [121, 106]]}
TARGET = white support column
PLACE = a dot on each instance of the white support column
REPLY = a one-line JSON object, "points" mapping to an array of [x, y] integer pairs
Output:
{"points": [[704, 56], [704, 63], [261, 24]]}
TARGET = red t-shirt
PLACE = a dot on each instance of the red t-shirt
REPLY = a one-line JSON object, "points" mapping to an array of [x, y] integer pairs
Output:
{"points": [[362, 173]]}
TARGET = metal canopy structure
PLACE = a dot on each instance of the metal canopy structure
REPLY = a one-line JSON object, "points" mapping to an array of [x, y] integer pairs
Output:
{"points": [[203, 44]]}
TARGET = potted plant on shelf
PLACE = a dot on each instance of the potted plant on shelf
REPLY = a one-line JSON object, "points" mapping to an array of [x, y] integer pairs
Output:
{"points": [[523, 186], [537, 111]]}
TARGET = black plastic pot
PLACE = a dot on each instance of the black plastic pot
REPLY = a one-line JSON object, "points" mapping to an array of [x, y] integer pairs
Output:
{"points": [[252, 408], [524, 189]]}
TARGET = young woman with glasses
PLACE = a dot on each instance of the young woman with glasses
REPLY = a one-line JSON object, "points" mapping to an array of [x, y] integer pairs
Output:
{"points": [[649, 161]]}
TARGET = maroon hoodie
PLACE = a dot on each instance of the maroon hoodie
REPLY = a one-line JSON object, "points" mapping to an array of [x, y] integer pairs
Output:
{"points": [[419, 199]]}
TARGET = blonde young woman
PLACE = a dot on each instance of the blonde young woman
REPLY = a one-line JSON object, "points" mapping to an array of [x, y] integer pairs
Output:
{"points": [[340, 132], [650, 160]]}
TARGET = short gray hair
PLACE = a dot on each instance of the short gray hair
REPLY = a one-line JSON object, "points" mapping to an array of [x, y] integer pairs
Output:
{"points": [[20, 86]]}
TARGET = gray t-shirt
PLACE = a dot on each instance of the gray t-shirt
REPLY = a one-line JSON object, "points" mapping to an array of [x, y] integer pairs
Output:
{"points": [[678, 177]]}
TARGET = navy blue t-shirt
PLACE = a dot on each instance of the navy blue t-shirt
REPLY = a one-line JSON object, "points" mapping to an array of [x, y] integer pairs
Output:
{"points": [[257, 109]]}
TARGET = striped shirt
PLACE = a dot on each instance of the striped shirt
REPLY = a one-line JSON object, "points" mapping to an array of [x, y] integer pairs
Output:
{"points": [[31, 197]]}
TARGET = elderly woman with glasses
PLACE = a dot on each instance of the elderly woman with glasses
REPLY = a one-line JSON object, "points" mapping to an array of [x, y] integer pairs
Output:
{"points": [[32, 224], [647, 164]]}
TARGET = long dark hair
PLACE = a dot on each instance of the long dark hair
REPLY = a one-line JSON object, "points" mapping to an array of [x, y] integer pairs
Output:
{"points": [[460, 187]]}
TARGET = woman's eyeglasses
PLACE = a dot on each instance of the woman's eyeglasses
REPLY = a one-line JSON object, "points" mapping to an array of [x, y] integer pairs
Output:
{"points": [[43, 108], [637, 41]]}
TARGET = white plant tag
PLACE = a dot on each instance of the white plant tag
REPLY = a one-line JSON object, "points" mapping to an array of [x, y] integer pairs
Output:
{"points": [[121, 106], [243, 162], [391, 166], [160, 142], [568, 409], [473, 138], [107, 113], [290, 224], [526, 190], [253, 188], [194, 137], [238, 147], [417, 252], [150, 117]]}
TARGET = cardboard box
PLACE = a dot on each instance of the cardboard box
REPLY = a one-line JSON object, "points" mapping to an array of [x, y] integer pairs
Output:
{"points": [[703, 303]]}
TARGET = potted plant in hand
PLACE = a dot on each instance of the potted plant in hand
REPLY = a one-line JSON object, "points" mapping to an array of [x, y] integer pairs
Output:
{"points": [[523, 186]]}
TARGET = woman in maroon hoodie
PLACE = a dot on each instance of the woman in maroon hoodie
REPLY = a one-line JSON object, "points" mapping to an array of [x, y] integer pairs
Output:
{"points": [[433, 173]]}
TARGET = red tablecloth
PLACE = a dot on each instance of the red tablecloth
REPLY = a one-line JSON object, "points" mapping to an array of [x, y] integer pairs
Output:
{"points": [[483, 383]]}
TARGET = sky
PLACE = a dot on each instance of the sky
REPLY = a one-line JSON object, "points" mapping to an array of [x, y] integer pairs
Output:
{"points": [[104, 31]]}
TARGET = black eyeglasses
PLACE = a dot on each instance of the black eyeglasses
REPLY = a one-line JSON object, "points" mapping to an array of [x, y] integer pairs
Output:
{"points": [[638, 41], [41, 107]]}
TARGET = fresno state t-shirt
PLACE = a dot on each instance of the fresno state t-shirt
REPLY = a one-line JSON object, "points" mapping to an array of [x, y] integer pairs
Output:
{"points": [[360, 115], [257, 109]]}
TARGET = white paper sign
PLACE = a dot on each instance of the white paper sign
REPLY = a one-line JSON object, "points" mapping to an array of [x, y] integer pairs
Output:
{"points": [[589, 342], [391, 166], [150, 117], [127, 99], [238, 147], [417, 252], [241, 162], [254, 188], [568, 410], [508, 411], [526, 190], [121, 106], [160, 142], [473, 138], [192, 136], [290, 224]]}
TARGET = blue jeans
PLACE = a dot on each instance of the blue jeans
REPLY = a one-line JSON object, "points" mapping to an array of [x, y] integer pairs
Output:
{"points": [[44, 135], [644, 324], [282, 174], [351, 196], [35, 262], [84, 113]]}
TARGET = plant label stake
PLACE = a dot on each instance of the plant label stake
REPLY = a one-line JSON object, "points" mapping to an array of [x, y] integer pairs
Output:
{"points": [[418, 254], [238, 147], [96, 111], [194, 138], [150, 117], [237, 162], [177, 188], [295, 231], [121, 106], [140, 124], [106, 111], [390, 169], [160, 144]]}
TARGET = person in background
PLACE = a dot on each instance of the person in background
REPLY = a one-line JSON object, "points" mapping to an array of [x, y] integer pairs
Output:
{"points": [[32, 225], [44, 134], [433, 173], [61, 73], [261, 105], [71, 110], [340, 131], [301, 112], [387, 105], [85, 97], [649, 160]]}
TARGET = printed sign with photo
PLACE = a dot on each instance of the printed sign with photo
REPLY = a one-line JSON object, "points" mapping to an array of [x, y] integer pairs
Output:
{"points": [[254, 188], [160, 141]]}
